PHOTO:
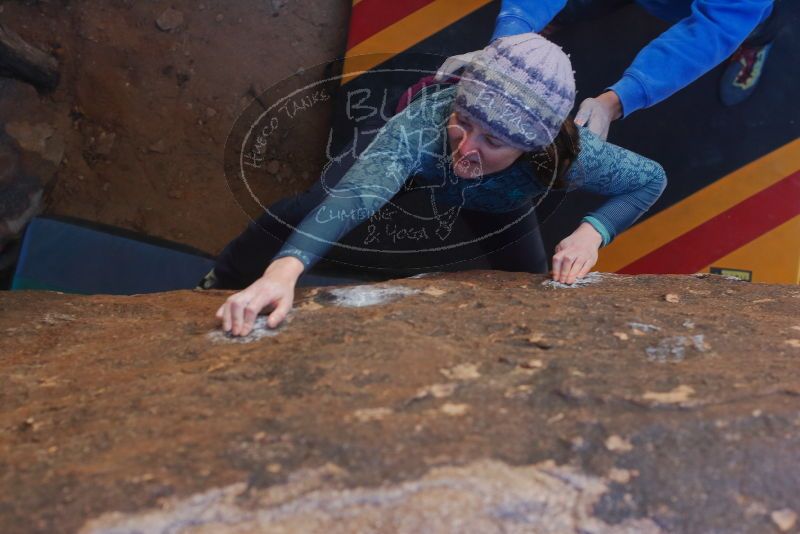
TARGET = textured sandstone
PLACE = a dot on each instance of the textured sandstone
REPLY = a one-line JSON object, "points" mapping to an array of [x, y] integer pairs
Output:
{"points": [[477, 401]]}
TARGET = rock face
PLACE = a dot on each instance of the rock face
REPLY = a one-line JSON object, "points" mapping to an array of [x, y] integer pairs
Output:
{"points": [[134, 127], [482, 402], [29, 158]]}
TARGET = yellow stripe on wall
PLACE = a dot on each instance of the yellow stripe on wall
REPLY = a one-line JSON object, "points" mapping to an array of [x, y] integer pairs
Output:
{"points": [[773, 257], [407, 32], [699, 207]]}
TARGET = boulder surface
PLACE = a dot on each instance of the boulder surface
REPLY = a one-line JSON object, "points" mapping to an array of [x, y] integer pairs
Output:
{"points": [[477, 401]]}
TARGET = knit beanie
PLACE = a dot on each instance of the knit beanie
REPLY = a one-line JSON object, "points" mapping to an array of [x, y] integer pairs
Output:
{"points": [[520, 88]]}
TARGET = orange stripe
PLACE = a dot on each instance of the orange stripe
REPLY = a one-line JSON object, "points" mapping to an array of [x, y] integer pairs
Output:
{"points": [[405, 33], [725, 232], [694, 210], [772, 258]]}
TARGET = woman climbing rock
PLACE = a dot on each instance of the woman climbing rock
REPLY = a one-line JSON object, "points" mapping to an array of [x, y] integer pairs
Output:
{"points": [[483, 149]]}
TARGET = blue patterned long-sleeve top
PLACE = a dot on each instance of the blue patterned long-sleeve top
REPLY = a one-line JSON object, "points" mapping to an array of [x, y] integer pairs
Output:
{"points": [[414, 143]]}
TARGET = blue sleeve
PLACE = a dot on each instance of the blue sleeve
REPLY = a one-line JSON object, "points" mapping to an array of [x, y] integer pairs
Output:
{"points": [[377, 175], [632, 182], [523, 16], [687, 50]]}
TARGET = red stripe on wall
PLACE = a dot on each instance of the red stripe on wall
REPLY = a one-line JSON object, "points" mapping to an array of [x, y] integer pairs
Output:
{"points": [[725, 232], [371, 16]]}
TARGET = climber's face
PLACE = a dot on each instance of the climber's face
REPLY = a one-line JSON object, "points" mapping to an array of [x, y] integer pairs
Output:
{"points": [[475, 151]]}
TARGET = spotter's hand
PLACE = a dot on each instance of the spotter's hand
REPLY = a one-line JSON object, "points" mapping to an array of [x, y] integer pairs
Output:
{"points": [[597, 113], [452, 64]]}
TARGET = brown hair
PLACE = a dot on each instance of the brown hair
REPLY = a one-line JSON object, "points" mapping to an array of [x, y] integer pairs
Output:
{"points": [[556, 158]]}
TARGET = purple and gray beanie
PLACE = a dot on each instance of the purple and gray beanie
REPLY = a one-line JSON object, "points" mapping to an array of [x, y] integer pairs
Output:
{"points": [[520, 88]]}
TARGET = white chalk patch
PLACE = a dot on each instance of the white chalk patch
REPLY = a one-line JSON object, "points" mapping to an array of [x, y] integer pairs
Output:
{"points": [[368, 295], [423, 275], [673, 349], [591, 278], [642, 327], [260, 330], [56, 318]]}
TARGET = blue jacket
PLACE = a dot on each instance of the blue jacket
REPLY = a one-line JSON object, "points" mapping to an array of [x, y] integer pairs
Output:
{"points": [[414, 143], [705, 33]]}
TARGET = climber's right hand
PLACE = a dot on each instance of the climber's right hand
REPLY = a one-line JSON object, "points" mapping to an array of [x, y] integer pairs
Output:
{"points": [[274, 291], [452, 64]]}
